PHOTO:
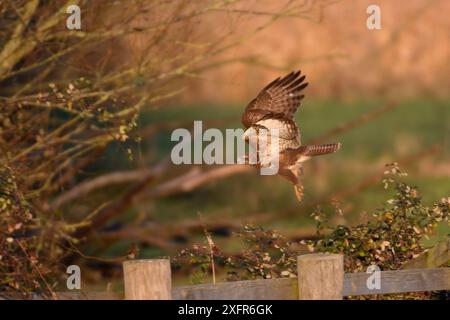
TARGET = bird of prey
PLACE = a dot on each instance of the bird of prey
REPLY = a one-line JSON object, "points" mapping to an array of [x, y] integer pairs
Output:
{"points": [[274, 108]]}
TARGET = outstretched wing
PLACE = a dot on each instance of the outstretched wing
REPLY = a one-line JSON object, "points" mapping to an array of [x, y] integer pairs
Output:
{"points": [[280, 100]]}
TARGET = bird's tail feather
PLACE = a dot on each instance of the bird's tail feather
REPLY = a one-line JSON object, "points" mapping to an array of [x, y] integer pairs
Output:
{"points": [[319, 149]]}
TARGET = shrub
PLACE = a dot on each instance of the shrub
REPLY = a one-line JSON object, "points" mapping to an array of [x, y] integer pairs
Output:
{"points": [[392, 238], [395, 235]]}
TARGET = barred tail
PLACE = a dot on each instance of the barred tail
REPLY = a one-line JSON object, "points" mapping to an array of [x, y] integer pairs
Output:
{"points": [[319, 149]]}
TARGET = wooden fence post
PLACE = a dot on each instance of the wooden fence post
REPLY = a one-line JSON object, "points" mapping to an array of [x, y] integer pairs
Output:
{"points": [[147, 279], [320, 276]]}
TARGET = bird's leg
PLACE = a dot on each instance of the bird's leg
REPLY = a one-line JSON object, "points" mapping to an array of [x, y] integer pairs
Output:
{"points": [[299, 191]]}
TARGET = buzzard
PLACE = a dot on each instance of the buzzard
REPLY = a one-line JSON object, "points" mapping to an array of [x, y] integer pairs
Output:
{"points": [[274, 108]]}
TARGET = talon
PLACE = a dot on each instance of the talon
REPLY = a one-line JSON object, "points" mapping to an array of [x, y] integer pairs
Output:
{"points": [[299, 192]]}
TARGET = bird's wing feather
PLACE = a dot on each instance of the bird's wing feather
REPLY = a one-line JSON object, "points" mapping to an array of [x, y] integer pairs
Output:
{"points": [[287, 129], [279, 99]]}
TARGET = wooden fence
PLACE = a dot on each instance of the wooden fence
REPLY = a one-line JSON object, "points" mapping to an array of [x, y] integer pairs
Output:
{"points": [[320, 276]]}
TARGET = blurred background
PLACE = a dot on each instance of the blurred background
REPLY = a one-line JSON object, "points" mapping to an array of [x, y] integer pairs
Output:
{"points": [[87, 117]]}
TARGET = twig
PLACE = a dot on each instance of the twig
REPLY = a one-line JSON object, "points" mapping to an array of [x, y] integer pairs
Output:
{"points": [[115, 208], [193, 179], [100, 182], [211, 248]]}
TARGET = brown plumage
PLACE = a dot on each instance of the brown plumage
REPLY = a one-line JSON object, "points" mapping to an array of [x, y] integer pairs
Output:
{"points": [[278, 100], [274, 108]]}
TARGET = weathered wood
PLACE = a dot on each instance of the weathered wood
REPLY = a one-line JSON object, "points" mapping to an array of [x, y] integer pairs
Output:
{"points": [[275, 289], [399, 281], [80, 295], [435, 257], [320, 276], [147, 279], [68, 295], [286, 288]]}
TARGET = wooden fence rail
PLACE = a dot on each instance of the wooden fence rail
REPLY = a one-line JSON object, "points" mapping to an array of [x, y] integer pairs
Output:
{"points": [[287, 288], [320, 276]]}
